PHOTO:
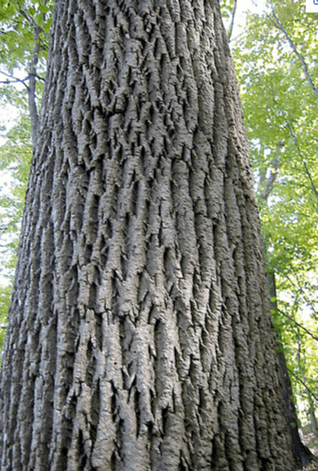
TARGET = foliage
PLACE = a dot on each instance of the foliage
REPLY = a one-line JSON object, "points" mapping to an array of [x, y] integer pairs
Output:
{"points": [[24, 26], [15, 157], [24, 35], [276, 65], [17, 34]]}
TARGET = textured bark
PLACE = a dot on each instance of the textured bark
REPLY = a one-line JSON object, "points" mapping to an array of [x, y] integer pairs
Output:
{"points": [[139, 334]]}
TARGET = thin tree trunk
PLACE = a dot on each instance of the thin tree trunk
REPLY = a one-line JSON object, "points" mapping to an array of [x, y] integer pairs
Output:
{"points": [[139, 333], [301, 453], [34, 118], [313, 420]]}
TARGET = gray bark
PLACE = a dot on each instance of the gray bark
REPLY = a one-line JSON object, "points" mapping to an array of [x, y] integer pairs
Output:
{"points": [[31, 91], [139, 333], [31, 88]]}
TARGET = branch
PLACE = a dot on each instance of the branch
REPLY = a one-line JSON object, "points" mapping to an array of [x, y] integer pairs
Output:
{"points": [[271, 180], [17, 80], [302, 157], [273, 175], [232, 21], [32, 21], [14, 79], [308, 301], [311, 181], [3, 232], [299, 288], [298, 325], [303, 383], [279, 25]]}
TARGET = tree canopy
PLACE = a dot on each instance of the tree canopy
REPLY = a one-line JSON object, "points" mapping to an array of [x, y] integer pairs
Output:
{"points": [[276, 66]]}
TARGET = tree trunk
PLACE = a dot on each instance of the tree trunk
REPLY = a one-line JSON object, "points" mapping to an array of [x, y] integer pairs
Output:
{"points": [[311, 403], [301, 452], [139, 333]]}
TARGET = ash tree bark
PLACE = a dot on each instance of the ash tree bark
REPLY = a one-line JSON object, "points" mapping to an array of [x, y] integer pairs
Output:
{"points": [[139, 333]]}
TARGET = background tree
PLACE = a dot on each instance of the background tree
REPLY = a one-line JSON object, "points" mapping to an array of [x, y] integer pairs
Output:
{"points": [[24, 37], [139, 332], [279, 94]]}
